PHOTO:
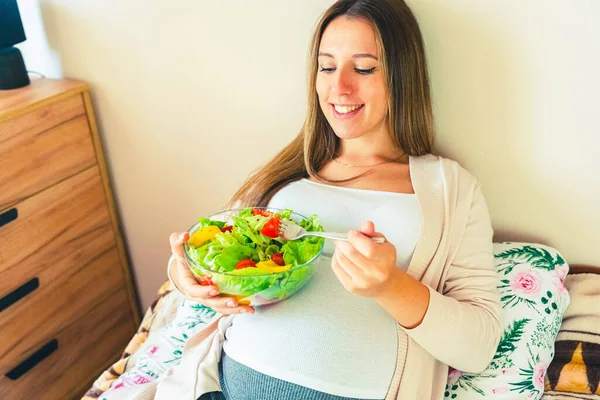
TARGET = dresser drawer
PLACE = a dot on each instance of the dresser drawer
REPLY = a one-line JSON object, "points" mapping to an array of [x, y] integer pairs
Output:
{"points": [[51, 229], [24, 327], [61, 249], [43, 147], [68, 362]]}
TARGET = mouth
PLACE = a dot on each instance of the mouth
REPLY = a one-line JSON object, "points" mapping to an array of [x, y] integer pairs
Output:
{"points": [[346, 111]]}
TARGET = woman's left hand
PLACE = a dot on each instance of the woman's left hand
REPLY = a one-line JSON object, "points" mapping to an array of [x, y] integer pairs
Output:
{"points": [[363, 266]]}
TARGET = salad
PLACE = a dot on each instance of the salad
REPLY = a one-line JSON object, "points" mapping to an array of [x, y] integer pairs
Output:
{"points": [[241, 253]]}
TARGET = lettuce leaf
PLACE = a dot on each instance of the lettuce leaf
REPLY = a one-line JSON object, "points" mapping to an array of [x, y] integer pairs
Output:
{"points": [[301, 251], [209, 222], [311, 224], [244, 285]]}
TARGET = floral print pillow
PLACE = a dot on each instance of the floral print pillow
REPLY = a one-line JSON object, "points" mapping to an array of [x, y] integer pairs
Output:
{"points": [[534, 298]]}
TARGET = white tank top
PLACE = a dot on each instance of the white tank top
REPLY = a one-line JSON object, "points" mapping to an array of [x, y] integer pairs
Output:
{"points": [[324, 337]]}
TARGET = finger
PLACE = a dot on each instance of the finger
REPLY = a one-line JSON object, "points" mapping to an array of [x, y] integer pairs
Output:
{"points": [[184, 272], [354, 271], [190, 286], [342, 275], [367, 228], [193, 289], [364, 244], [226, 305], [208, 296], [352, 254], [238, 310], [176, 240]]}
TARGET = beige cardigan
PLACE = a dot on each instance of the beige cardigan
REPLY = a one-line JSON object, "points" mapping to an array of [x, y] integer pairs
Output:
{"points": [[454, 258]]}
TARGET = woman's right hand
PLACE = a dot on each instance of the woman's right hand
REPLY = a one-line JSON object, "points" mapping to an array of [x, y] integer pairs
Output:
{"points": [[191, 288]]}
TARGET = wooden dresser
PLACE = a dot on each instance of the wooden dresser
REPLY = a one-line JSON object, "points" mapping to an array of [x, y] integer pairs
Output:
{"points": [[67, 303]]}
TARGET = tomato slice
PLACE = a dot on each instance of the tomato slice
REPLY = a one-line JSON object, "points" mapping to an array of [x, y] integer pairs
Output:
{"points": [[264, 213], [206, 280], [271, 228], [227, 228], [278, 259], [245, 264]]}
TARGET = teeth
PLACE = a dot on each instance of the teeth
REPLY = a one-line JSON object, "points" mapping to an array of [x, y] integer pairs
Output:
{"points": [[346, 109]]}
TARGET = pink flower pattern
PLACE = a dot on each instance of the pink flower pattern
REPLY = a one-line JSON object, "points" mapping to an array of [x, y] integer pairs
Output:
{"points": [[559, 280], [526, 283], [500, 390], [453, 376], [131, 380], [153, 350], [539, 373]]}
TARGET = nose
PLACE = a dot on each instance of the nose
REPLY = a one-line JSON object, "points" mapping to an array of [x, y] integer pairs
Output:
{"points": [[342, 83]]}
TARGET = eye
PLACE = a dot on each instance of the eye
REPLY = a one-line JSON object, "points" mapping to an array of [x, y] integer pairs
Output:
{"points": [[365, 71], [327, 70]]}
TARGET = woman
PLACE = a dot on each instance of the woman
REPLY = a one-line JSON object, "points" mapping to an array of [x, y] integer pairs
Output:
{"points": [[377, 320]]}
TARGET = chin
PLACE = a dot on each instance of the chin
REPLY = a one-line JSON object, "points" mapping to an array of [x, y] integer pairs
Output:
{"points": [[347, 131], [347, 134]]}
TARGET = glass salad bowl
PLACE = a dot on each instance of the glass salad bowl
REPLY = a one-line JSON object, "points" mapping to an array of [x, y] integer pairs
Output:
{"points": [[230, 251]]}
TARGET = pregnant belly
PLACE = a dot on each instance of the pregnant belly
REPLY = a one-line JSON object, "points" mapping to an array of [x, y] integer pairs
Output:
{"points": [[322, 337]]}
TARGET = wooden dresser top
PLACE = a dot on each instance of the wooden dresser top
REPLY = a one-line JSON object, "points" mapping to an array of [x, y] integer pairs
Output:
{"points": [[39, 92]]}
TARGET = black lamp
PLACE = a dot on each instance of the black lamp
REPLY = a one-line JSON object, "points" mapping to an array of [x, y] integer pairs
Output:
{"points": [[13, 73]]}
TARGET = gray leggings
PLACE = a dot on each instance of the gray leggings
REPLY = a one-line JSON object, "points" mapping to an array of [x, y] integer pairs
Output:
{"points": [[243, 383]]}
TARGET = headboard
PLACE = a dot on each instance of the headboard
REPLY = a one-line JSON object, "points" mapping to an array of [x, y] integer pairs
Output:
{"points": [[583, 269]]}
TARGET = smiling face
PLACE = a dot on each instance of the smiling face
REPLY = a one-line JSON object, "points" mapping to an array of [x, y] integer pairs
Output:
{"points": [[350, 83]]}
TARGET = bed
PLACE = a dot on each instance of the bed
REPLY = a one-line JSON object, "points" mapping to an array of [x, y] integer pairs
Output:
{"points": [[574, 372]]}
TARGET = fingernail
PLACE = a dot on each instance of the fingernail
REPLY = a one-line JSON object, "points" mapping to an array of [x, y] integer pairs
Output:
{"points": [[243, 310], [213, 293], [231, 304], [181, 236]]}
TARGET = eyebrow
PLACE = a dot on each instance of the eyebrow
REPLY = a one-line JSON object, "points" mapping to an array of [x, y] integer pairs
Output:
{"points": [[359, 55]]}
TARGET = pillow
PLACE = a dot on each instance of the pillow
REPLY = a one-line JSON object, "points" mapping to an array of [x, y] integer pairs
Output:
{"points": [[534, 299], [575, 371], [161, 312]]}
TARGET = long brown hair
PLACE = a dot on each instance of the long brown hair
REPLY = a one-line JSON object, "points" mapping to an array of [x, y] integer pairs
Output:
{"points": [[409, 116]]}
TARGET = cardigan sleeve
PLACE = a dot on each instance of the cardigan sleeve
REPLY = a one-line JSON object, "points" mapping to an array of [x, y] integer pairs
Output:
{"points": [[461, 327]]}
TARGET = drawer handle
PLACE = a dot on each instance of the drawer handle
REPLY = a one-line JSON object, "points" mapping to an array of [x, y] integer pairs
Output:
{"points": [[19, 293], [32, 361], [8, 216]]}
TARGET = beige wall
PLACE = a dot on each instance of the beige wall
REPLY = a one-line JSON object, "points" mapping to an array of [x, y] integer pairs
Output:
{"points": [[192, 95]]}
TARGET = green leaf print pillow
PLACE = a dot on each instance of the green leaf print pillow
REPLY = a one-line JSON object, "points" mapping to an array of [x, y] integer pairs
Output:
{"points": [[534, 299]]}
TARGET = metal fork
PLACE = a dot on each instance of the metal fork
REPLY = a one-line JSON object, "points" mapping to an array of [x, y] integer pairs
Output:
{"points": [[291, 231]]}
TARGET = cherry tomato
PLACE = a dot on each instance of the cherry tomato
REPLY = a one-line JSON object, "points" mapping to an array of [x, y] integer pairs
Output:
{"points": [[278, 259], [206, 280], [271, 228], [264, 213]]}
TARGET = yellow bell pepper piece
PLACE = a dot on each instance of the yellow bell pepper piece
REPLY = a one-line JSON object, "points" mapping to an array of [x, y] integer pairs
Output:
{"points": [[272, 266], [203, 235]]}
